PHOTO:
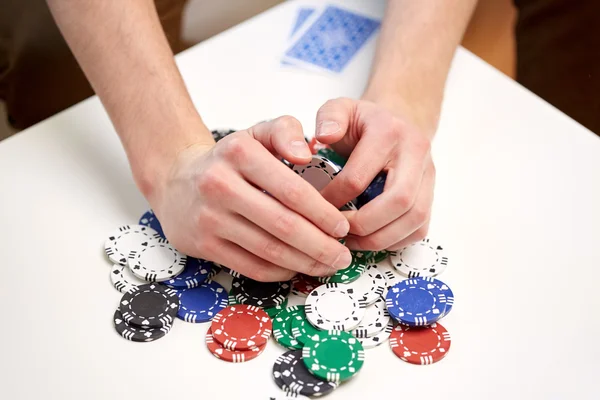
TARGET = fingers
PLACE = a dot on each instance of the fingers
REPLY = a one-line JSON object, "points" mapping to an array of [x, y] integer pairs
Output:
{"points": [[283, 136], [247, 264], [289, 227], [366, 161], [402, 187], [333, 120], [260, 168], [268, 247], [410, 226]]}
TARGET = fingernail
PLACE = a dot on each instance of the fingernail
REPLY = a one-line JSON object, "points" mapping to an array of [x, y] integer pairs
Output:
{"points": [[299, 149], [343, 260], [327, 128], [342, 228]]}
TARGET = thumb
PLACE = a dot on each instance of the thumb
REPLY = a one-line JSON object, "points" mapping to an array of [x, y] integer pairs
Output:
{"points": [[333, 120], [284, 137]]}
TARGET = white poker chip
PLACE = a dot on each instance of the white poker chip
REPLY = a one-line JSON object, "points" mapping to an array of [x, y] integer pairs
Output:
{"points": [[375, 320], [421, 259], [380, 337], [123, 279], [334, 307], [156, 262], [371, 285], [126, 239], [318, 172]]}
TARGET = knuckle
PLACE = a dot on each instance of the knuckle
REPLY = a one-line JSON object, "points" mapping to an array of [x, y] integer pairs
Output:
{"points": [[355, 182], [421, 233], [402, 200], [286, 225], [372, 243], [212, 182], [420, 214], [292, 194], [236, 149], [358, 228]]}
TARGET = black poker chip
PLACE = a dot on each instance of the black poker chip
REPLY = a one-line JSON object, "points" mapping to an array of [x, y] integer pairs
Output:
{"points": [[298, 379], [261, 294], [221, 133], [137, 334], [277, 373], [150, 306]]}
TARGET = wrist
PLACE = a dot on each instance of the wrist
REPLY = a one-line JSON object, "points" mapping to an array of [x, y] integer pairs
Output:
{"points": [[157, 150]]}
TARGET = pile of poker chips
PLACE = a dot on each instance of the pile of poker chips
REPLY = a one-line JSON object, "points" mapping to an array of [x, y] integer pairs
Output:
{"points": [[357, 308]]}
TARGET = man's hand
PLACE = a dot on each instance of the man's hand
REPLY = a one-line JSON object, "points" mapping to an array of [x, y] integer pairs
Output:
{"points": [[212, 205], [376, 140]]}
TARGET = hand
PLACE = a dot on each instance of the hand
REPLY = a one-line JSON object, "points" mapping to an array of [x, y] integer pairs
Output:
{"points": [[212, 206], [376, 140]]}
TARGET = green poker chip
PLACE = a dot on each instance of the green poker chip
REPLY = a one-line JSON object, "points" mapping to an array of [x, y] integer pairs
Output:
{"points": [[332, 156], [272, 312], [302, 329], [232, 301], [335, 356], [282, 327], [354, 271], [378, 256]]}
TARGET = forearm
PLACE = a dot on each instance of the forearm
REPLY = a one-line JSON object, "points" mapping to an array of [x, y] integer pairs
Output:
{"points": [[122, 49], [416, 45]]}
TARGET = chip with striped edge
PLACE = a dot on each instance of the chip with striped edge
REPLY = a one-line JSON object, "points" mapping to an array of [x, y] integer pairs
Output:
{"points": [[299, 380], [282, 330], [156, 261], [241, 327], [351, 273], [150, 306], [128, 238], [262, 294], [335, 356], [137, 334], [421, 259], [375, 320], [302, 284], [421, 346], [124, 280], [202, 303], [334, 306], [380, 337], [195, 272], [371, 285], [233, 356], [302, 329], [416, 302]]}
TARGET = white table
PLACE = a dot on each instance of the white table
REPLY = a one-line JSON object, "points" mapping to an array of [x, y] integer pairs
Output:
{"points": [[517, 206]]}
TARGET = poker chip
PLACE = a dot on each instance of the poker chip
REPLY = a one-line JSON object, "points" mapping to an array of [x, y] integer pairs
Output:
{"points": [[332, 156], [149, 219], [241, 327], [231, 300], [277, 372], [349, 206], [272, 312], [214, 271], [221, 133], [302, 329], [334, 355], [200, 304], [371, 285], [378, 256], [234, 356], [416, 302], [318, 172], [420, 259], [380, 337], [375, 320], [195, 272], [351, 273], [374, 189], [262, 294], [282, 330], [302, 284], [150, 306], [137, 334], [123, 279], [334, 306], [422, 346], [156, 262], [298, 380], [126, 239]]}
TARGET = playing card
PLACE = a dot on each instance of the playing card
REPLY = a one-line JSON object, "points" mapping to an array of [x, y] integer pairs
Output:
{"points": [[332, 40], [301, 17]]}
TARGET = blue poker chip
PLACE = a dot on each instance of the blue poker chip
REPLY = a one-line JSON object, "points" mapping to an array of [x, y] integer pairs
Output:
{"points": [[202, 303], [416, 302], [446, 294], [195, 272], [149, 219], [374, 189]]}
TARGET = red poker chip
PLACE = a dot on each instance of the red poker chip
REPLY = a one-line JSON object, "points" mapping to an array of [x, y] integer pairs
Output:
{"points": [[234, 356], [302, 284], [420, 345], [241, 327]]}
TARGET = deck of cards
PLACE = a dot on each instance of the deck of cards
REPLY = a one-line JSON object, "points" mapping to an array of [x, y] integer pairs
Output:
{"points": [[327, 38]]}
